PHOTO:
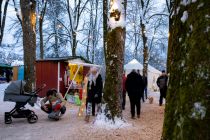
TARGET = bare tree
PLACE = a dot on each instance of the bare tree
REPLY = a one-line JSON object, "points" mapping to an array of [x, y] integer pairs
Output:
{"points": [[74, 14], [41, 15], [3, 16]]}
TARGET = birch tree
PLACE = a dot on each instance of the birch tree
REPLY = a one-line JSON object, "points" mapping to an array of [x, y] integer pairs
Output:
{"points": [[3, 15]]}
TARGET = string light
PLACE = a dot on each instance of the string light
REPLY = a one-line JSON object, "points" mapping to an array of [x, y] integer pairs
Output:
{"points": [[84, 96]]}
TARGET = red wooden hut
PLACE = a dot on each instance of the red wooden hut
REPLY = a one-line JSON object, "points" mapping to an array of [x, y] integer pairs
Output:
{"points": [[51, 72]]}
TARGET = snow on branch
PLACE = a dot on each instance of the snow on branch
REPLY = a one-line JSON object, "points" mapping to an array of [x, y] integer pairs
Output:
{"points": [[117, 14]]}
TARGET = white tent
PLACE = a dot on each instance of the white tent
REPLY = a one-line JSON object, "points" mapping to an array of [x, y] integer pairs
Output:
{"points": [[153, 73]]}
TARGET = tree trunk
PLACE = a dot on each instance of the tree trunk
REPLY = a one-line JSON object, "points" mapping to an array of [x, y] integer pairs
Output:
{"points": [[105, 25], [114, 70], [187, 112], [74, 47], [29, 41], [145, 49], [114, 66], [3, 19], [41, 20]]}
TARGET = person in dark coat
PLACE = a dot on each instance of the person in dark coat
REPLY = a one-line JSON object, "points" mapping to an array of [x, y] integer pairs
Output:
{"points": [[134, 86], [142, 97], [145, 86], [124, 92], [162, 84], [94, 92]]}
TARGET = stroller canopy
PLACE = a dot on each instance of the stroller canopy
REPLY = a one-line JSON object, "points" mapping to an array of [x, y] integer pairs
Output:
{"points": [[16, 87]]}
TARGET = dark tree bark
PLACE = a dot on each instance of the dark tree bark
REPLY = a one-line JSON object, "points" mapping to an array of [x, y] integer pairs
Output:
{"points": [[74, 47], [28, 8], [114, 66], [105, 25], [187, 112], [145, 49], [41, 20], [3, 18]]}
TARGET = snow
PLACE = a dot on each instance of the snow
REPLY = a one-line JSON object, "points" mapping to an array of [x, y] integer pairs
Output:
{"points": [[17, 63], [184, 17], [191, 28], [200, 5], [199, 111], [185, 2], [113, 23], [177, 10], [207, 16], [207, 29], [102, 122]]}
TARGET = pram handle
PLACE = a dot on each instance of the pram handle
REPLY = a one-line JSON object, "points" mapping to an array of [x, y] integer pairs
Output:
{"points": [[39, 89]]}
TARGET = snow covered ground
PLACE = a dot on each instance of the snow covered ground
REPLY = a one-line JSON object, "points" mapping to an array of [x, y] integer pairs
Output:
{"points": [[72, 127]]}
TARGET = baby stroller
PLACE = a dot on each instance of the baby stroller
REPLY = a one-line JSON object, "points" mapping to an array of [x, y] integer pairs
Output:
{"points": [[15, 93]]}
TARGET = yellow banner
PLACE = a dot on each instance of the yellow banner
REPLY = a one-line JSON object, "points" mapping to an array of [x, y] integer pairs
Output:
{"points": [[73, 69]]}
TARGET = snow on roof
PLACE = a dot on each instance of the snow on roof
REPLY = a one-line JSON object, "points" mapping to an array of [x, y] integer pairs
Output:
{"points": [[135, 64], [17, 63]]}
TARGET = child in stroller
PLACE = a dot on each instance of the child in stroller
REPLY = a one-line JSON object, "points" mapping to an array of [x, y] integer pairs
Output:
{"points": [[56, 107], [15, 93]]}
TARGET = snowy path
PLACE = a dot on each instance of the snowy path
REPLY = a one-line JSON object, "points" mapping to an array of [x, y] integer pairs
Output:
{"points": [[70, 127]]}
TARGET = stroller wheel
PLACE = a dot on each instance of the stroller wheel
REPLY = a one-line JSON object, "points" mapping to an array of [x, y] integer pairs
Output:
{"points": [[32, 112], [32, 118], [7, 118]]}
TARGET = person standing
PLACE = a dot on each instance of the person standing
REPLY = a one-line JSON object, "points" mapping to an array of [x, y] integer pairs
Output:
{"points": [[145, 86], [142, 96], [162, 84], [124, 92], [134, 86], [94, 93]]}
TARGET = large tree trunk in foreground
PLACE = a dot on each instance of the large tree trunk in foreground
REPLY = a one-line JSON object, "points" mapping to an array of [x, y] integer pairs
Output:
{"points": [[187, 113], [114, 65], [28, 8]]}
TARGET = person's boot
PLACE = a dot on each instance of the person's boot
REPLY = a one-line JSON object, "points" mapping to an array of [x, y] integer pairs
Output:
{"points": [[132, 117]]}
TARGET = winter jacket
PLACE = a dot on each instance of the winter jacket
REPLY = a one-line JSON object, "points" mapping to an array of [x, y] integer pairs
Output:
{"points": [[94, 90], [145, 81], [162, 81], [134, 85], [53, 99]]}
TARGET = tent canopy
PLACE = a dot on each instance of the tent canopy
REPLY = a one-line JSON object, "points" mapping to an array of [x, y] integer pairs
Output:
{"points": [[135, 64], [82, 63]]}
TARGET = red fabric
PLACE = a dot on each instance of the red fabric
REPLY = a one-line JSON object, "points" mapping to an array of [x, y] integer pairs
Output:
{"points": [[80, 94], [57, 107], [124, 79]]}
